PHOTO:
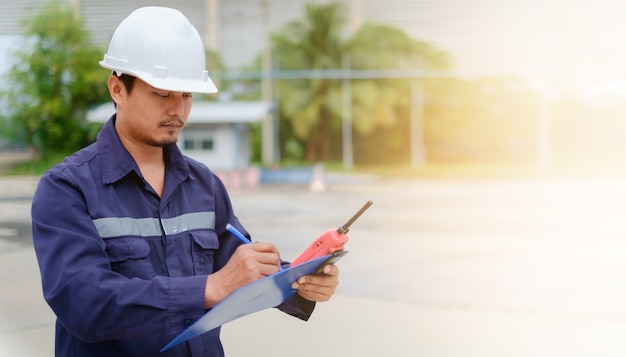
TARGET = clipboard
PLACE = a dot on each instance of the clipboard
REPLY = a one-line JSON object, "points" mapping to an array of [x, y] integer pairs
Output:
{"points": [[262, 294]]}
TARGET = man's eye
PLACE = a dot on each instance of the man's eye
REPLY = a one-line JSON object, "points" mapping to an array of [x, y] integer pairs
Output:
{"points": [[187, 95], [163, 95]]}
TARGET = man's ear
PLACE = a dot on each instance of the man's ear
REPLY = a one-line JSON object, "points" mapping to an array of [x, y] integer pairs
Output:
{"points": [[116, 88]]}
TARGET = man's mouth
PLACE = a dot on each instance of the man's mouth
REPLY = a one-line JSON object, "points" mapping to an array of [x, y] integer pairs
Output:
{"points": [[173, 124]]}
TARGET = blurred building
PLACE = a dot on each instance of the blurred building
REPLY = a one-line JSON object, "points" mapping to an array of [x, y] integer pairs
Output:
{"points": [[215, 133], [484, 37]]}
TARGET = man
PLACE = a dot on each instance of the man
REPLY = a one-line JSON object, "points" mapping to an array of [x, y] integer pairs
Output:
{"points": [[130, 234]]}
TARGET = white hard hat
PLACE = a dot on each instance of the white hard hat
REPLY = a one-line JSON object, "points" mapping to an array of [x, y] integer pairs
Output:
{"points": [[161, 47]]}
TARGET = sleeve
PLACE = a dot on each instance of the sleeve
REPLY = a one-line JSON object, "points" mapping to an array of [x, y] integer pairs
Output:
{"points": [[298, 307], [90, 300]]}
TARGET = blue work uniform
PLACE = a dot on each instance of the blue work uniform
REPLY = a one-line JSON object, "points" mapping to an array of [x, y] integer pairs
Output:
{"points": [[123, 269]]}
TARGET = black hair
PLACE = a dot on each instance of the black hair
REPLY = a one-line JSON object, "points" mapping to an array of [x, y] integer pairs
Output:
{"points": [[128, 80]]}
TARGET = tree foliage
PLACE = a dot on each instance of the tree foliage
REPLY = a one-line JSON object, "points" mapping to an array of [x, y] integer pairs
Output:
{"points": [[378, 103], [481, 120], [312, 108], [54, 80], [314, 44]]}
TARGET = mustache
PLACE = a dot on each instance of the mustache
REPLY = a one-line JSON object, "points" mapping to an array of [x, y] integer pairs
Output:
{"points": [[172, 121]]}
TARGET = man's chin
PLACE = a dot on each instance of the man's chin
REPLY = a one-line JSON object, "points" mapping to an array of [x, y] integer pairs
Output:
{"points": [[161, 143]]}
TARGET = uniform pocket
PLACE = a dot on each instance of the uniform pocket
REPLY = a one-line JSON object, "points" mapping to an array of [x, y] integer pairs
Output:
{"points": [[130, 257], [205, 243]]}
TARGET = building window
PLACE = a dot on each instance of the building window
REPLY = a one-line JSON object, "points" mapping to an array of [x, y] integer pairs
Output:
{"points": [[188, 144], [207, 144], [198, 143]]}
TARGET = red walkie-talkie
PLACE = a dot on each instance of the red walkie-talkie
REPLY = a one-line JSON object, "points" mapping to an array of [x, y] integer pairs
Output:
{"points": [[333, 240]]}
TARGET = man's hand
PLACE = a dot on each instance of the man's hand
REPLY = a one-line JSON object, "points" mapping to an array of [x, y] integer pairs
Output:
{"points": [[319, 287], [249, 263]]}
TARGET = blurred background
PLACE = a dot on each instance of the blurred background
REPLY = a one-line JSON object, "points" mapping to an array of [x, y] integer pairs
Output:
{"points": [[490, 135], [358, 85]]}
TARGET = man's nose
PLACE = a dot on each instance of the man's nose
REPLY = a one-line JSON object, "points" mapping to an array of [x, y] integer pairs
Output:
{"points": [[176, 105]]}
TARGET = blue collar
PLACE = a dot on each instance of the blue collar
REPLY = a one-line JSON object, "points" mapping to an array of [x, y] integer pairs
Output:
{"points": [[117, 162]]}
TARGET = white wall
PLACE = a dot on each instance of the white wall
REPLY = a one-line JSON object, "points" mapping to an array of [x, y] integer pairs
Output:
{"points": [[230, 146]]}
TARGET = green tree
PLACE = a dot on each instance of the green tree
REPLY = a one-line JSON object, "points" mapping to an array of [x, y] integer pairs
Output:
{"points": [[54, 80], [311, 108], [315, 44], [481, 120], [381, 107]]}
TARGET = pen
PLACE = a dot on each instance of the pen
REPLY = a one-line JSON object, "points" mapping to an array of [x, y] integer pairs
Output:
{"points": [[242, 238], [237, 234]]}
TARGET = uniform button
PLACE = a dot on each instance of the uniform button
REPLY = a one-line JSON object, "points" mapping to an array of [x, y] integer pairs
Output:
{"points": [[188, 322]]}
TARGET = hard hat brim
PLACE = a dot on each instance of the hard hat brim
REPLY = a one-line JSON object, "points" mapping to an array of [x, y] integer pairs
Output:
{"points": [[170, 84]]}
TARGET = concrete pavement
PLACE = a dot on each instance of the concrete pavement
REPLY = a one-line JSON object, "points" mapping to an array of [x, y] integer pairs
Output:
{"points": [[515, 267]]}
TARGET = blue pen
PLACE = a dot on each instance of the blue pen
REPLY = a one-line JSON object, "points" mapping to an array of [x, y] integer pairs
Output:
{"points": [[241, 237], [237, 234]]}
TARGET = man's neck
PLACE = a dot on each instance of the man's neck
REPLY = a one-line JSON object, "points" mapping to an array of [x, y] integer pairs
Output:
{"points": [[151, 163]]}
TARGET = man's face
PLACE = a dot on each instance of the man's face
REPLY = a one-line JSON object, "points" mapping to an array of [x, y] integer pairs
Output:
{"points": [[149, 116]]}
